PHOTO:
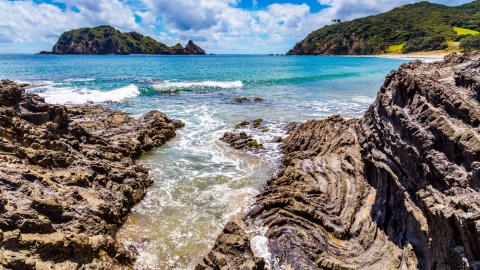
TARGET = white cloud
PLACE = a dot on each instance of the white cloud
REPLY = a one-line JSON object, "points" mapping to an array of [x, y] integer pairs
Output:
{"points": [[218, 26]]}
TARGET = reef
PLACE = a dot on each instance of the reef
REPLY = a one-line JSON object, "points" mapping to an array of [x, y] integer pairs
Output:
{"points": [[68, 180], [395, 189]]}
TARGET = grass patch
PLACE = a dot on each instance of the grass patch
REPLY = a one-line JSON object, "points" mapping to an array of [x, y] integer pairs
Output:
{"points": [[453, 46], [464, 31], [395, 48]]}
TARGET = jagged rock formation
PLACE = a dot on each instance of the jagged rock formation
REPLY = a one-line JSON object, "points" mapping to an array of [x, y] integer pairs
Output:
{"points": [[68, 180], [232, 251], [241, 141], [108, 40], [396, 189]]}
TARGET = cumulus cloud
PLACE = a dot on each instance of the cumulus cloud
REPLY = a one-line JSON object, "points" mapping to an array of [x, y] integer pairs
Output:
{"points": [[219, 26], [351, 9], [26, 21]]}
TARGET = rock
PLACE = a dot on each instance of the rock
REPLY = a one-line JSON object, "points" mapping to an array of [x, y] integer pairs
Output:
{"points": [[242, 124], [241, 141], [257, 123], [68, 180], [396, 189], [232, 251], [247, 99], [192, 48]]}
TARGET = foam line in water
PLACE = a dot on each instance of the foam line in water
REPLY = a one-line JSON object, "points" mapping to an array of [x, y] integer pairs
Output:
{"points": [[172, 86], [68, 95]]}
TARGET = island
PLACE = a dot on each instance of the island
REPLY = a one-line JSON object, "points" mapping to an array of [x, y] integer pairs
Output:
{"points": [[108, 40]]}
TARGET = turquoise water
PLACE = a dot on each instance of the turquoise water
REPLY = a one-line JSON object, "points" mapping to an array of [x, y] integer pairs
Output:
{"points": [[200, 184]]}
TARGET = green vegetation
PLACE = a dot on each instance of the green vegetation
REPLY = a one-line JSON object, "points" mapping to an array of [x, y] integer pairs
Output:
{"points": [[420, 27], [470, 43], [395, 48], [464, 31], [108, 40]]}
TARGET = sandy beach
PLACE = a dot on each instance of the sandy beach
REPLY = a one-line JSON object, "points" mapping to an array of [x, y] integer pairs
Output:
{"points": [[433, 55]]}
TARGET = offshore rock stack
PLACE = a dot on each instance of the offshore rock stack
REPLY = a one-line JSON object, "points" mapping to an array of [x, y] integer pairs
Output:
{"points": [[398, 188], [68, 180]]}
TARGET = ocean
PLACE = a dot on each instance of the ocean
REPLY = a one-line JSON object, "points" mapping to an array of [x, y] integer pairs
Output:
{"points": [[200, 183]]}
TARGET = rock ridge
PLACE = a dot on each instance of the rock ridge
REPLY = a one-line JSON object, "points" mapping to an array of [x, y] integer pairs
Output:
{"points": [[398, 188], [68, 180]]}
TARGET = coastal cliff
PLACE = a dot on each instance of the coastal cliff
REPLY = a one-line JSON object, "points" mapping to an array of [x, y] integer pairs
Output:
{"points": [[108, 40], [398, 188], [68, 180]]}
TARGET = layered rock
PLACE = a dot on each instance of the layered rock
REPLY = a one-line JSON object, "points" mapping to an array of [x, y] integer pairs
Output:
{"points": [[108, 40], [396, 189], [232, 251], [68, 180]]}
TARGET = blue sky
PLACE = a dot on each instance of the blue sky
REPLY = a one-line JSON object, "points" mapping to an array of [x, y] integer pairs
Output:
{"points": [[218, 26]]}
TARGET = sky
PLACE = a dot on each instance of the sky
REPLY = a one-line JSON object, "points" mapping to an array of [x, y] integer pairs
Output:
{"points": [[218, 26]]}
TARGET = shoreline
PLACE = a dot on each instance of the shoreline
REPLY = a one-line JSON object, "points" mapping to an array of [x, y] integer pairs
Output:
{"points": [[69, 179]]}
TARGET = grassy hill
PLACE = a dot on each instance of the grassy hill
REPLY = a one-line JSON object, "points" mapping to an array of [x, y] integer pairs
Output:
{"points": [[108, 40], [412, 28]]}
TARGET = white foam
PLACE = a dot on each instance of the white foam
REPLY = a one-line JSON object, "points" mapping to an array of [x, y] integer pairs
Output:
{"points": [[68, 95], [168, 85], [259, 245]]}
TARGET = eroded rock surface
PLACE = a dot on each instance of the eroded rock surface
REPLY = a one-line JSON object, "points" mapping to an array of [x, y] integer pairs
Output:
{"points": [[68, 180], [241, 140], [396, 189], [231, 251]]}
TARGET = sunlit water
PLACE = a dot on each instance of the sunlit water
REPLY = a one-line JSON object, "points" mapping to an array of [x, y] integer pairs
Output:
{"points": [[199, 183]]}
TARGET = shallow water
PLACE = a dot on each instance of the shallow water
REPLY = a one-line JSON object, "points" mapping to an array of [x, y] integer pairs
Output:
{"points": [[199, 183]]}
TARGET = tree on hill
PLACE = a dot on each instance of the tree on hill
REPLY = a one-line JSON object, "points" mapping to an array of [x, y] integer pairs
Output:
{"points": [[470, 43]]}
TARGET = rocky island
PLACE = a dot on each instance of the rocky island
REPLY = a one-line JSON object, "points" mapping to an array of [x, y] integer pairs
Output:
{"points": [[108, 40], [398, 188], [68, 180]]}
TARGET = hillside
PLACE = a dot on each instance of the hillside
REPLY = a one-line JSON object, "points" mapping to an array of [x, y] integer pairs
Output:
{"points": [[108, 40], [411, 28]]}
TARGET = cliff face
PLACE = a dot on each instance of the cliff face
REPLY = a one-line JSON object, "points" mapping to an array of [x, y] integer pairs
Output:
{"points": [[397, 189], [108, 40], [68, 180]]}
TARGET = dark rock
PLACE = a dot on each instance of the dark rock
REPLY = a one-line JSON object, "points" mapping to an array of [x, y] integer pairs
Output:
{"points": [[68, 180], [257, 123], [242, 124], [241, 141], [247, 99], [232, 250], [192, 48]]}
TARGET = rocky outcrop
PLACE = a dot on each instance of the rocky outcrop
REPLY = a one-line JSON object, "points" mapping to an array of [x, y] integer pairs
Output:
{"points": [[232, 251], [192, 48], [241, 141], [108, 40], [68, 180], [396, 189]]}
